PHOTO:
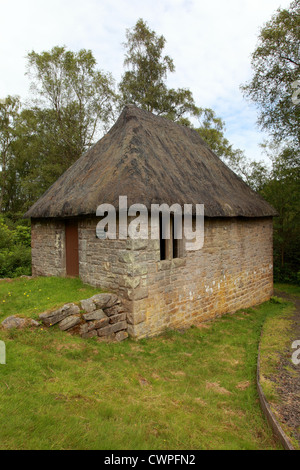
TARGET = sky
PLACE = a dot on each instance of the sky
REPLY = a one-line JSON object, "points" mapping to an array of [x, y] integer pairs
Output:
{"points": [[210, 42]]}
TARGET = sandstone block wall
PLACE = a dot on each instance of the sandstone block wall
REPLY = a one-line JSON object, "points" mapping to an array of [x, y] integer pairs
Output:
{"points": [[48, 247], [233, 270]]}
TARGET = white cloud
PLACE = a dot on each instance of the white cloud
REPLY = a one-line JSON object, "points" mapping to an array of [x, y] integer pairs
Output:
{"points": [[210, 43]]}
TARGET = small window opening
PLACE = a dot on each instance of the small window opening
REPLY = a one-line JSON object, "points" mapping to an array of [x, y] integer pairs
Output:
{"points": [[162, 241], [169, 248]]}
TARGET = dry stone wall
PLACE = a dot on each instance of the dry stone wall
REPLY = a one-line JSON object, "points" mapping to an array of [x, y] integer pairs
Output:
{"points": [[101, 316]]}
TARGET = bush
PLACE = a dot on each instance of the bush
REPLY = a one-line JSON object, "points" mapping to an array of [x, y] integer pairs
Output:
{"points": [[286, 275], [15, 252]]}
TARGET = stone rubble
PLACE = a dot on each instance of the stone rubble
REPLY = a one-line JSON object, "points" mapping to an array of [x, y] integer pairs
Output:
{"points": [[101, 316], [104, 317], [16, 322]]}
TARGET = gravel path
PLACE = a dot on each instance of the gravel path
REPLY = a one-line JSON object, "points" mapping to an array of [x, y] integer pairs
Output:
{"points": [[287, 378]]}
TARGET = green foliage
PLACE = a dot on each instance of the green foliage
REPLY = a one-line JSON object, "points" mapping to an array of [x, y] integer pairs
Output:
{"points": [[276, 66], [9, 114], [282, 190], [15, 252], [74, 103], [212, 130], [69, 84], [15, 262], [144, 84]]}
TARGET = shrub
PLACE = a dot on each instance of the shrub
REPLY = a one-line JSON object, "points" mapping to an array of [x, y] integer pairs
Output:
{"points": [[15, 252]]}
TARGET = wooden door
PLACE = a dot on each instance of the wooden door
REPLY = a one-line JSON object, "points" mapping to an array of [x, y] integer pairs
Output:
{"points": [[72, 258]]}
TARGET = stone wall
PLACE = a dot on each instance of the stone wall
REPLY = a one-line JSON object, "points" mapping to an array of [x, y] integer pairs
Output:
{"points": [[233, 270], [48, 247]]}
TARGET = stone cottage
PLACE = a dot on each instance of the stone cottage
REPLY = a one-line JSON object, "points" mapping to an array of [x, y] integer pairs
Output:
{"points": [[152, 160]]}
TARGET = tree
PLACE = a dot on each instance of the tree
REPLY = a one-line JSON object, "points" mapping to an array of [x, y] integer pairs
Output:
{"points": [[144, 83], [73, 102], [9, 114], [276, 66], [80, 97], [212, 130], [282, 190]]}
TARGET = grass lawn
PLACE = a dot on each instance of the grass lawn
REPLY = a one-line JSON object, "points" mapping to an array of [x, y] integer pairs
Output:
{"points": [[191, 390], [289, 289], [29, 297]]}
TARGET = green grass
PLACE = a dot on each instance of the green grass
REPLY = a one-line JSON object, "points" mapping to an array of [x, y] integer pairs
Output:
{"points": [[191, 390], [28, 297], [288, 288]]}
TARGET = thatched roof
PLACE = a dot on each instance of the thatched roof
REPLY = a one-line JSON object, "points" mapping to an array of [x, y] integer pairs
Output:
{"points": [[151, 160]]}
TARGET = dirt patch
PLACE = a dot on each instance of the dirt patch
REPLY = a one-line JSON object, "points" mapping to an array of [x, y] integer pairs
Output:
{"points": [[144, 382], [216, 387], [243, 385], [200, 401], [178, 373]]}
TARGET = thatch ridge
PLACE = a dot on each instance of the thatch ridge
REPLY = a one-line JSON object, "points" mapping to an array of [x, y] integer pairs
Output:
{"points": [[151, 160]]}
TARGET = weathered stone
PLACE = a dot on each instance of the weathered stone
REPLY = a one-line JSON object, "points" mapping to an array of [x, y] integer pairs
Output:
{"points": [[84, 328], [69, 322], [104, 300], [127, 258], [136, 245], [95, 315], [17, 322], [118, 318], [113, 301], [138, 269], [121, 335], [88, 305], [132, 282], [178, 262], [164, 265], [131, 331], [90, 326], [101, 323], [122, 325], [108, 330], [136, 318], [51, 318], [90, 334], [115, 310], [107, 339], [138, 294]]}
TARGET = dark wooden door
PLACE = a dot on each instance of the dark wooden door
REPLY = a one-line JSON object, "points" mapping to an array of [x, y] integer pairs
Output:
{"points": [[72, 259]]}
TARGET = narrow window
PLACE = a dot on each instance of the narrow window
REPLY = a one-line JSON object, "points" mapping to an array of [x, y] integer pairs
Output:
{"points": [[162, 241], [176, 242], [176, 252], [169, 248]]}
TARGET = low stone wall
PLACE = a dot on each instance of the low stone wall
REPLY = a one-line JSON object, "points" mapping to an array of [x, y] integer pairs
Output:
{"points": [[102, 316]]}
